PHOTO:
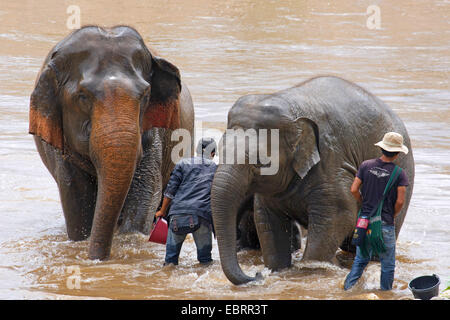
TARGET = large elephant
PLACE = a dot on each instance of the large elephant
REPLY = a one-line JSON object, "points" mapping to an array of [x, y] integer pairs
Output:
{"points": [[102, 113], [327, 127]]}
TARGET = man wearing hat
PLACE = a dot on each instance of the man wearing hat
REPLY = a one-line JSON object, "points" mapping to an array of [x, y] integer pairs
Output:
{"points": [[368, 187], [189, 193]]}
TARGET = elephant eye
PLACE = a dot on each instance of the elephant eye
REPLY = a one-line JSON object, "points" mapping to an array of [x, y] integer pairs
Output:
{"points": [[83, 101], [82, 97]]}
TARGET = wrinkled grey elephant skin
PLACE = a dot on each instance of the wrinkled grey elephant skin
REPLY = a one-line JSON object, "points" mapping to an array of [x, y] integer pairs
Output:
{"points": [[327, 128], [102, 113], [246, 233]]}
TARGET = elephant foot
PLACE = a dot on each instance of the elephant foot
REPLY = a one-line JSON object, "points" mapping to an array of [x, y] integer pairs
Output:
{"points": [[97, 251], [75, 236], [78, 230]]}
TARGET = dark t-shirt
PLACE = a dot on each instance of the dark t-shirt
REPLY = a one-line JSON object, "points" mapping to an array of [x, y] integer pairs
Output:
{"points": [[189, 187], [375, 174]]}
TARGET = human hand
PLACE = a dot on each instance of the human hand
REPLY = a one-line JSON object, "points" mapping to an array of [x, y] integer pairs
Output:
{"points": [[159, 213]]}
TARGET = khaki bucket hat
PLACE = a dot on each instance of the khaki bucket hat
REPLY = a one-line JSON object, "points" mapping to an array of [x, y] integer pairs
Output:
{"points": [[393, 142]]}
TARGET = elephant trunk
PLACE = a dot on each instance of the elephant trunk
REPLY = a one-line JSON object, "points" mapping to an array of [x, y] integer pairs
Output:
{"points": [[228, 192], [115, 147]]}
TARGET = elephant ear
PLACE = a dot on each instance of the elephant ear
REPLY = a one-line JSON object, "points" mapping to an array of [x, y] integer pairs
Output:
{"points": [[305, 146], [163, 110], [45, 114]]}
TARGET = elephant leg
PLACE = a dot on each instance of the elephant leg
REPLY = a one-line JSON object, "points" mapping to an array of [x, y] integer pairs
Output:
{"points": [[274, 233], [296, 241], [247, 234], [328, 227], [77, 190]]}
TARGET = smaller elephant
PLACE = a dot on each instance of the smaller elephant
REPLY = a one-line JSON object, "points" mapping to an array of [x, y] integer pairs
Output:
{"points": [[325, 128]]}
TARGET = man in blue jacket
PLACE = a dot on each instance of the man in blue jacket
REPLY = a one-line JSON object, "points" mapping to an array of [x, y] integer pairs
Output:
{"points": [[189, 193]]}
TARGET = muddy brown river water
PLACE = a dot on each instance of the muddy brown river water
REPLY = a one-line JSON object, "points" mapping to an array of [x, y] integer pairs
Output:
{"points": [[226, 49]]}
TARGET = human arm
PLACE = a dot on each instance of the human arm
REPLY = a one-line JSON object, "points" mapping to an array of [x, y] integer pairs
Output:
{"points": [[401, 192], [175, 180], [354, 189], [163, 211]]}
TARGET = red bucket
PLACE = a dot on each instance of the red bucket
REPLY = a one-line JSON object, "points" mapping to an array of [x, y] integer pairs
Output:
{"points": [[159, 231]]}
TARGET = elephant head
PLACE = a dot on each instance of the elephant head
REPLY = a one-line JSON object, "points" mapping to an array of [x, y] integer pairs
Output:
{"points": [[98, 92], [296, 152]]}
